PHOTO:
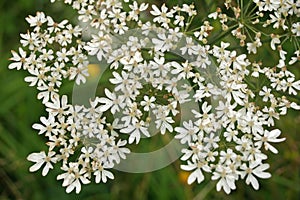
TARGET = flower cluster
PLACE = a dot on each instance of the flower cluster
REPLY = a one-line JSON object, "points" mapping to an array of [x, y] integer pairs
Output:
{"points": [[50, 53], [156, 67], [69, 128]]}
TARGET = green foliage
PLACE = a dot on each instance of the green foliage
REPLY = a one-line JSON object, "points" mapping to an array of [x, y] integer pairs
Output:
{"points": [[19, 110]]}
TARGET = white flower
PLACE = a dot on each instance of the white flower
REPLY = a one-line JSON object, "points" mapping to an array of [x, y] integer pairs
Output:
{"points": [[189, 9], [231, 135], [212, 141], [63, 55], [47, 92], [269, 5], [159, 67], [252, 47], [224, 109], [163, 43], [86, 153], [135, 131], [236, 91], [278, 20], [270, 115], [293, 85], [47, 54], [226, 178], [203, 91], [275, 40], [122, 82], [80, 72], [113, 102], [120, 28], [73, 177], [161, 16], [40, 159], [257, 169], [296, 28], [243, 144], [48, 126], [251, 123], [182, 71], [39, 77], [266, 93], [136, 9], [104, 153], [31, 40], [19, 59], [148, 102], [131, 114], [269, 136], [189, 47], [213, 15], [58, 107], [120, 151], [187, 133], [197, 173], [295, 58], [37, 21], [179, 19], [101, 174], [227, 157], [164, 123], [99, 45], [54, 26]]}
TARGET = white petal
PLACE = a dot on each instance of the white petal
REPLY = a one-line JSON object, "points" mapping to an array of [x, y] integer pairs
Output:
{"points": [[36, 166], [46, 169], [98, 176], [187, 167], [36, 157], [78, 186], [270, 148], [134, 136], [191, 178], [253, 181], [274, 133], [109, 174], [70, 188], [17, 65], [38, 126], [84, 180]]}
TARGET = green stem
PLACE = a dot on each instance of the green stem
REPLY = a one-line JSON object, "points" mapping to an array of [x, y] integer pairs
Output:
{"points": [[251, 11], [222, 35]]}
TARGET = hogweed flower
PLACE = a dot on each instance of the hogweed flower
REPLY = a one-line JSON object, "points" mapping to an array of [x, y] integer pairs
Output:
{"points": [[237, 96]]}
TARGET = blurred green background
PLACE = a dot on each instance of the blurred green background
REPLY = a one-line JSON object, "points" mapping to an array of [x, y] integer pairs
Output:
{"points": [[19, 110]]}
